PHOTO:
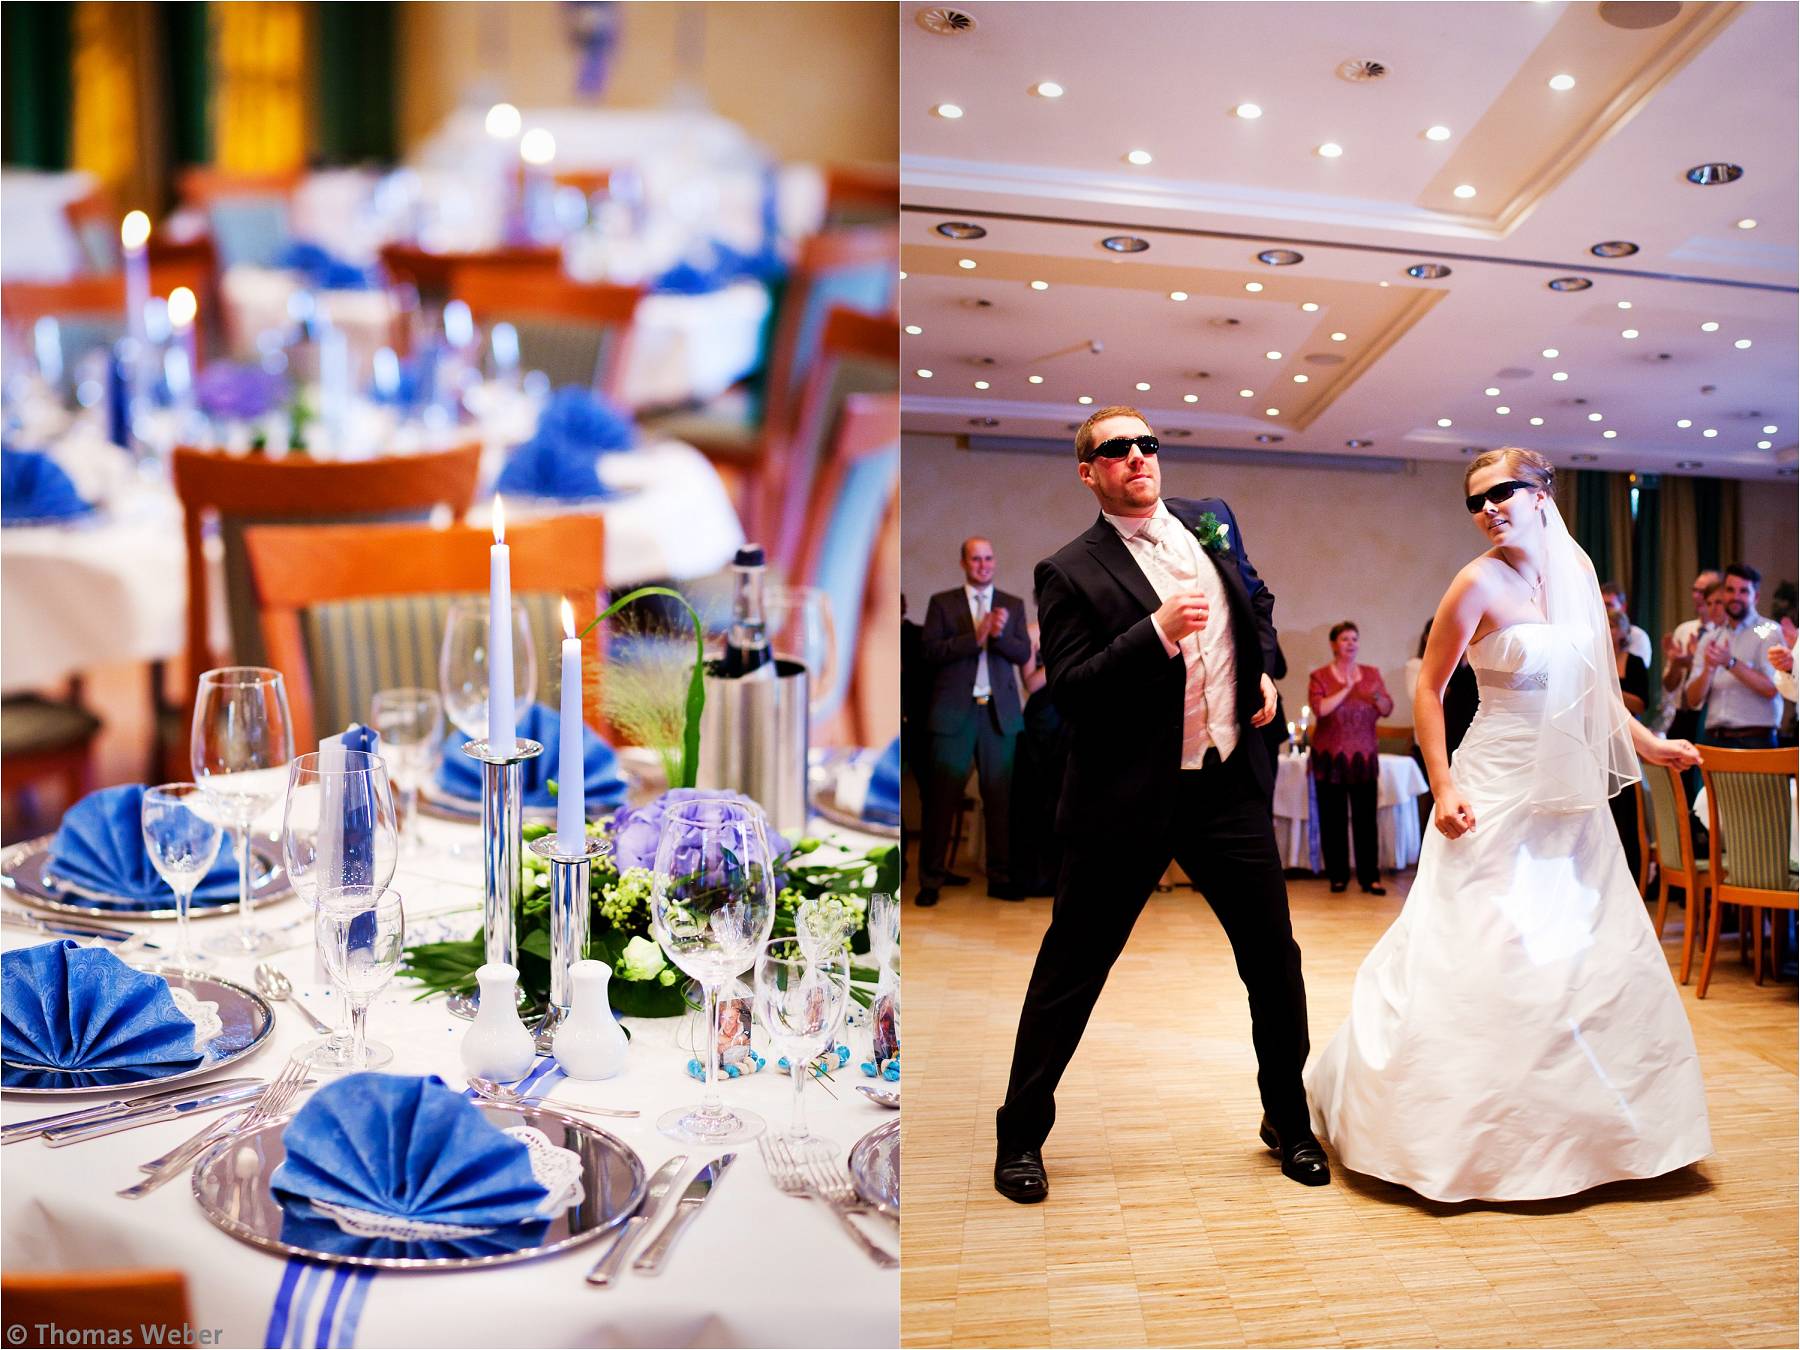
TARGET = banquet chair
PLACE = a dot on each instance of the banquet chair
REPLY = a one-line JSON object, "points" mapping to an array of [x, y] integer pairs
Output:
{"points": [[576, 332], [856, 193], [1677, 866], [348, 610], [1750, 816], [44, 742], [1394, 738], [102, 1303], [247, 215], [430, 274], [1646, 837]]}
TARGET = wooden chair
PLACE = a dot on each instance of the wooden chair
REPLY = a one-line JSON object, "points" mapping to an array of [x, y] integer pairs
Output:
{"points": [[1646, 838], [1394, 738], [576, 332], [346, 610], [201, 185], [45, 742], [861, 192], [590, 182], [97, 301], [430, 273], [120, 1302], [1677, 866], [1750, 816]]}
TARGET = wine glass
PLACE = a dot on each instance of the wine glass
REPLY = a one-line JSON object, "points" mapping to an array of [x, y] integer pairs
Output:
{"points": [[182, 843], [800, 629], [241, 746], [409, 721], [712, 903], [800, 997], [338, 829], [463, 665], [362, 933]]}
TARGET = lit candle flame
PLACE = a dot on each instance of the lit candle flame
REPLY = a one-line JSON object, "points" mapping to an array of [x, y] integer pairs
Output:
{"points": [[537, 147], [182, 307], [499, 521], [503, 121], [568, 616], [134, 233]]}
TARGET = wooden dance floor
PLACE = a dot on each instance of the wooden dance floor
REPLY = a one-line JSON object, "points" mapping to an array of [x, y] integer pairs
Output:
{"points": [[1168, 1224]]}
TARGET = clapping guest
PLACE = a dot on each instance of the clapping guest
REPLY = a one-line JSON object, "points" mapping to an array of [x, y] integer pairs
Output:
{"points": [[1781, 657], [1733, 680], [1678, 662], [1346, 759], [1634, 674], [1638, 641]]}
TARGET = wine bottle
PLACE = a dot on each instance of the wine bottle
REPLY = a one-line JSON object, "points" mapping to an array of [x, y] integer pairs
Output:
{"points": [[747, 654]]}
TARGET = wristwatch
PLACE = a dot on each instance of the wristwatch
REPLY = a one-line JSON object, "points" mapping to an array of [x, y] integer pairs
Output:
{"points": [[1731, 664]]}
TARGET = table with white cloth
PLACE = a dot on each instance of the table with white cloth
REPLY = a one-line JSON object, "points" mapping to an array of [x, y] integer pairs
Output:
{"points": [[757, 1268], [1297, 816]]}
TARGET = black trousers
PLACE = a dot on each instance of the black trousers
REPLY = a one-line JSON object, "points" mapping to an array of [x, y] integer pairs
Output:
{"points": [[1223, 837], [990, 750], [1360, 801]]}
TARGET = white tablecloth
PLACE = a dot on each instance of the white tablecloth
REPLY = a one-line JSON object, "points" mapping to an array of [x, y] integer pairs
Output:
{"points": [[1296, 822], [758, 1268]]}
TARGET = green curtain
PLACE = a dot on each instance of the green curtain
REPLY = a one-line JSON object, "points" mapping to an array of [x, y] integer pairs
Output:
{"points": [[358, 80], [1591, 517], [1718, 531], [1643, 588], [37, 102], [186, 82]]}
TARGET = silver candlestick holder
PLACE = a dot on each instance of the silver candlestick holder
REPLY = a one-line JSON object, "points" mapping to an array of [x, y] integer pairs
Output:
{"points": [[569, 913], [502, 854]]}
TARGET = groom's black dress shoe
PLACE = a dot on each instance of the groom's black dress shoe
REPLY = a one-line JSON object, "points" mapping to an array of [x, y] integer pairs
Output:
{"points": [[1339, 887], [1376, 889], [955, 879], [1302, 1160], [927, 896], [1019, 1175]]}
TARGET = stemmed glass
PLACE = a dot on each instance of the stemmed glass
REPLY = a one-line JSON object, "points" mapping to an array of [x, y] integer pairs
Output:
{"points": [[800, 996], [338, 829], [463, 665], [182, 843], [409, 721], [241, 746], [362, 933], [800, 629], [712, 903]]}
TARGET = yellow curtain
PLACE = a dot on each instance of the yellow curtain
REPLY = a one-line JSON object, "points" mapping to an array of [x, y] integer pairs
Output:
{"points": [[114, 88], [259, 109], [1679, 546]]}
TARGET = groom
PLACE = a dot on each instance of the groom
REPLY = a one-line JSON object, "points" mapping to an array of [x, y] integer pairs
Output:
{"points": [[1156, 636]]}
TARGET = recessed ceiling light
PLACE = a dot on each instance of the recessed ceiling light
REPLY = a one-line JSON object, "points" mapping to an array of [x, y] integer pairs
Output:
{"points": [[1273, 356], [1537, 421], [923, 374], [1124, 243], [1253, 286], [948, 110], [1711, 175], [1583, 459], [1569, 284], [961, 229], [1246, 393], [1272, 412], [1610, 434], [1765, 445], [981, 384], [914, 329], [1300, 379], [1356, 444], [1248, 111], [1709, 328], [1034, 379], [967, 264], [1267, 438], [1428, 271], [1464, 191], [1624, 304], [1330, 150], [1280, 257], [1614, 248], [1049, 89], [1310, 307], [1142, 388], [1190, 398], [1177, 295], [1339, 337], [1382, 284], [1085, 399], [1710, 431], [1437, 133], [984, 421], [1770, 430], [1595, 417], [1559, 375], [1551, 353], [1746, 224], [1690, 464], [1137, 157], [1040, 285], [1628, 333], [1741, 343], [1684, 423], [1443, 421], [1491, 392], [1562, 83], [1502, 409], [903, 276]]}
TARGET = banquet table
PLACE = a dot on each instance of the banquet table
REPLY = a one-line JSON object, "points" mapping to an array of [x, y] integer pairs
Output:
{"points": [[1296, 817], [757, 1267]]}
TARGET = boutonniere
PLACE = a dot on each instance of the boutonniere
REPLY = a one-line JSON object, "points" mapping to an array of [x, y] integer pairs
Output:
{"points": [[1213, 534]]}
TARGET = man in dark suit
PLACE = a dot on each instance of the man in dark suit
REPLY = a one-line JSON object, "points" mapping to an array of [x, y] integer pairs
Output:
{"points": [[975, 641], [1157, 636]]}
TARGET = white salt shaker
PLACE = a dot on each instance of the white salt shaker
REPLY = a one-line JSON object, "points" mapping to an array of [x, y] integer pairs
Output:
{"points": [[590, 1043], [497, 1045]]}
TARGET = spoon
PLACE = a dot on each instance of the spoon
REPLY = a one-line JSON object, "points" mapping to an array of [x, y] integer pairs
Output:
{"points": [[880, 1096], [275, 986], [511, 1096]]}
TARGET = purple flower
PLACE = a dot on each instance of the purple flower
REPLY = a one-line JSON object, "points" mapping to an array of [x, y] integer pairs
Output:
{"points": [[225, 389], [637, 832]]}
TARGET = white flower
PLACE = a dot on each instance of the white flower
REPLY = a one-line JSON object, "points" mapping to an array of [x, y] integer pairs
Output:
{"points": [[642, 959], [1224, 530]]}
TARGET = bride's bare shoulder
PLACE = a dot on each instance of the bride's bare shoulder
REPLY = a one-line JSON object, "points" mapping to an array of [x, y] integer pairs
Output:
{"points": [[1479, 575]]}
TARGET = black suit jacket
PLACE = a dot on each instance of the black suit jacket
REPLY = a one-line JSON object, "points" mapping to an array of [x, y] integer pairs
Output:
{"points": [[951, 649], [1123, 694]]}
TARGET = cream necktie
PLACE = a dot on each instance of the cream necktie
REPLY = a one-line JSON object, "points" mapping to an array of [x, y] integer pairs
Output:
{"points": [[983, 603]]}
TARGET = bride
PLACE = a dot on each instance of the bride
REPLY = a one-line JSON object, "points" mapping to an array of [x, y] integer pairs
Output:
{"points": [[1516, 1034]]}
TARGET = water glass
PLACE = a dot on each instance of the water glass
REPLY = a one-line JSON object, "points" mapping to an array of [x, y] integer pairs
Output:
{"points": [[800, 998], [362, 933], [410, 722], [463, 665], [801, 629], [182, 842], [242, 742], [712, 904]]}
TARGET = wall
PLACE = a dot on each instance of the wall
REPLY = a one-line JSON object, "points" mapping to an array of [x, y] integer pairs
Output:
{"points": [[1766, 514], [810, 81]]}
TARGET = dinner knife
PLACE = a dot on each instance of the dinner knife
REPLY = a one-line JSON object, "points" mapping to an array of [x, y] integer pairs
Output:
{"points": [[31, 1129], [606, 1269], [75, 1134], [698, 1191], [36, 923]]}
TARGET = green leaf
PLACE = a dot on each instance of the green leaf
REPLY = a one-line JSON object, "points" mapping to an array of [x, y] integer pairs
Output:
{"points": [[696, 695]]}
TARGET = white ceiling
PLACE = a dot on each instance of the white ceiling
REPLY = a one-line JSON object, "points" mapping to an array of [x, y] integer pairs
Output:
{"points": [[1047, 178]]}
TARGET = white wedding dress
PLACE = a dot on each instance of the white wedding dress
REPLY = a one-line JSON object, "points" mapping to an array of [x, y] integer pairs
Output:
{"points": [[1516, 1034]]}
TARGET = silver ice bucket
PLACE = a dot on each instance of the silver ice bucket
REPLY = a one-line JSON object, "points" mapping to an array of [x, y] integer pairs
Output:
{"points": [[753, 741]]}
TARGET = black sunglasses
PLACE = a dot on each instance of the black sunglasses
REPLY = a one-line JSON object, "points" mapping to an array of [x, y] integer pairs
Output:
{"points": [[1120, 446], [1496, 494]]}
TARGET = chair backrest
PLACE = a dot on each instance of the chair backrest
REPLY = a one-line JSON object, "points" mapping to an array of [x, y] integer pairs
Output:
{"points": [[1669, 809], [858, 353], [576, 332], [74, 1302], [94, 305], [1750, 806], [347, 610], [240, 491], [431, 273], [856, 490], [855, 192]]}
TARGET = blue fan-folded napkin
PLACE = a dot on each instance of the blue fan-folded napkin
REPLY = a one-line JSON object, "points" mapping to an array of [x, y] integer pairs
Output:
{"points": [[34, 490], [561, 460], [408, 1148], [460, 776], [100, 847], [883, 802], [324, 270], [73, 1007]]}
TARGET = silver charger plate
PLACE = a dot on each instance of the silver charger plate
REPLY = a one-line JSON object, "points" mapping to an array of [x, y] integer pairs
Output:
{"points": [[434, 801], [232, 1185], [875, 1167], [247, 1022], [27, 876]]}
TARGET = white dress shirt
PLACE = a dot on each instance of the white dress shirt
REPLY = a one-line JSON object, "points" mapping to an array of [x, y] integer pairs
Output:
{"points": [[1729, 701], [1172, 560], [981, 600]]}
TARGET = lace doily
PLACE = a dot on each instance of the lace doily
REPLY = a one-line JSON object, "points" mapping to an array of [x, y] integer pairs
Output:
{"points": [[557, 1170], [201, 1012]]}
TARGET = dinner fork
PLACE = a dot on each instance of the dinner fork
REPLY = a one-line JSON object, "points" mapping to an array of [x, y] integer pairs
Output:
{"points": [[273, 1102], [791, 1178], [833, 1182]]}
